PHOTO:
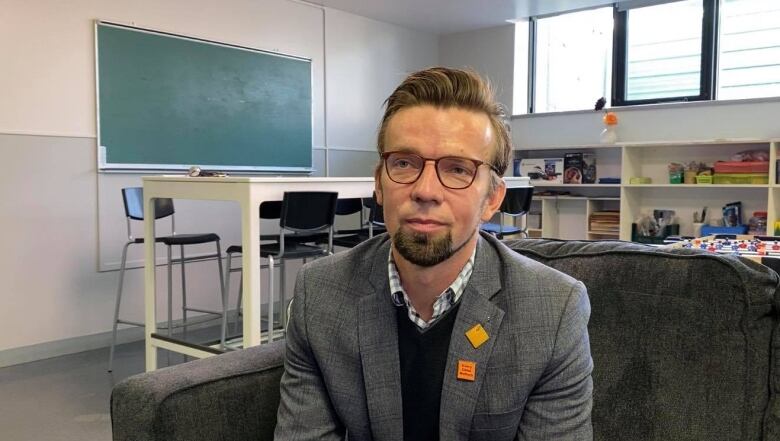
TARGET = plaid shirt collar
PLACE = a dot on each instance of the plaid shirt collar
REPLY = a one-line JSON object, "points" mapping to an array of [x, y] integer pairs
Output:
{"points": [[444, 301]]}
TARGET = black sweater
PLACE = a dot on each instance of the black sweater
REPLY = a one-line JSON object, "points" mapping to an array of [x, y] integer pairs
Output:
{"points": [[423, 357]]}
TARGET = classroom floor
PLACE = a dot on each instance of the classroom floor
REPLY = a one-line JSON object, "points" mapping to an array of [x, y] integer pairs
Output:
{"points": [[66, 398]]}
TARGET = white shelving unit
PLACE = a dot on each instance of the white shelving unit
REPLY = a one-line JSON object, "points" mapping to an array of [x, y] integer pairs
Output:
{"points": [[566, 216]]}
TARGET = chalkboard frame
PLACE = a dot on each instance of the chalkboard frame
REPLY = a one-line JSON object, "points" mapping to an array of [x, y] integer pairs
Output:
{"points": [[107, 167]]}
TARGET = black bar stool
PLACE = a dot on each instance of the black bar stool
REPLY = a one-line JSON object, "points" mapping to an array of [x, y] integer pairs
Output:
{"points": [[373, 226], [134, 211], [304, 217], [516, 203]]}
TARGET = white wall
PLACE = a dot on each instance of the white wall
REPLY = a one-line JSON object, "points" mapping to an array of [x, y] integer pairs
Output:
{"points": [[488, 51], [681, 121], [367, 59], [53, 199], [359, 77], [48, 50]]}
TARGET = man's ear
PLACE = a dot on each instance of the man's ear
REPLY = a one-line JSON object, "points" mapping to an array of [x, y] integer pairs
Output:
{"points": [[494, 202], [378, 184]]}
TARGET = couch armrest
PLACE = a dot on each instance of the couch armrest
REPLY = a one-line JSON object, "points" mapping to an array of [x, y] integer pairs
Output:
{"points": [[231, 396]]}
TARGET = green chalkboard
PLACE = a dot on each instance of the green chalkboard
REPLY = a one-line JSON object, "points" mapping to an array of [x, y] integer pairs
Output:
{"points": [[169, 102]]}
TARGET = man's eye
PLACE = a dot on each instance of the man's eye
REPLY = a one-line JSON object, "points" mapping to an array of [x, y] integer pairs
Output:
{"points": [[402, 163], [458, 169]]}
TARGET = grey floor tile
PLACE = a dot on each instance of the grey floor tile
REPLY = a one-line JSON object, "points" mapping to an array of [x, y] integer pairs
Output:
{"points": [[67, 398]]}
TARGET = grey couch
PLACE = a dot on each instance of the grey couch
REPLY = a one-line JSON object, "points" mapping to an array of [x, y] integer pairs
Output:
{"points": [[686, 346]]}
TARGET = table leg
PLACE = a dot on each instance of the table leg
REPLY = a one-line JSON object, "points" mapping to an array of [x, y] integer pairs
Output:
{"points": [[150, 316], [250, 240]]}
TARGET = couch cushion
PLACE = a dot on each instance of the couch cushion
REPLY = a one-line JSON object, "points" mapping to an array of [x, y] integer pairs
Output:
{"points": [[684, 342], [234, 396]]}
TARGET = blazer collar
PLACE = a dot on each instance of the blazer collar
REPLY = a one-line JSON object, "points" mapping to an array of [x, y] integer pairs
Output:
{"points": [[488, 271], [378, 341], [378, 277], [459, 397]]}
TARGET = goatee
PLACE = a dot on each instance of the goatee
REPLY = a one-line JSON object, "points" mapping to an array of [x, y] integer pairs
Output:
{"points": [[422, 249]]}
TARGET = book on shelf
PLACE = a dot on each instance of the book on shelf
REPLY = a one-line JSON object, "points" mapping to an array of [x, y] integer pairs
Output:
{"points": [[607, 222]]}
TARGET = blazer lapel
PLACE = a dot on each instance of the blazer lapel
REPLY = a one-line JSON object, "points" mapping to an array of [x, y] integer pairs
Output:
{"points": [[459, 397], [378, 340]]}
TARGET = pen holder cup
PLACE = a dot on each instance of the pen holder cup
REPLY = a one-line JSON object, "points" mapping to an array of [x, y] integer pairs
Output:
{"points": [[669, 230], [697, 229]]}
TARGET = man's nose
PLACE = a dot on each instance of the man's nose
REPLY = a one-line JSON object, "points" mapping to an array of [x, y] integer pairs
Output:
{"points": [[428, 187]]}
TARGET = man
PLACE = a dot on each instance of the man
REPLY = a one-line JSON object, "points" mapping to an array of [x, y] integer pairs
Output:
{"points": [[435, 331]]}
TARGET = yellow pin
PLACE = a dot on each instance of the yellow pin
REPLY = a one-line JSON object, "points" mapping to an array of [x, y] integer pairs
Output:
{"points": [[477, 335]]}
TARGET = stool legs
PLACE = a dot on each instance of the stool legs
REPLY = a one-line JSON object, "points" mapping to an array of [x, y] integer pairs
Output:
{"points": [[170, 291], [183, 293], [238, 305], [270, 298], [116, 306], [120, 287], [282, 297], [226, 292], [223, 296], [282, 293]]}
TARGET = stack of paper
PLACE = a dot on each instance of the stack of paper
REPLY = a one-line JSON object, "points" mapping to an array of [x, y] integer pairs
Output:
{"points": [[604, 222]]}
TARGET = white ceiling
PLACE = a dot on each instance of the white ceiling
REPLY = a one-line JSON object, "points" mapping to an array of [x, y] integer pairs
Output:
{"points": [[449, 16]]}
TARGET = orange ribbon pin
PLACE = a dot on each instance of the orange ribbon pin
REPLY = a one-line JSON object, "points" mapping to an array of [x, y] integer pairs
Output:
{"points": [[467, 370]]}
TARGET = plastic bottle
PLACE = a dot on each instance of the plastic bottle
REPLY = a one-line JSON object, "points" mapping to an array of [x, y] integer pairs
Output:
{"points": [[757, 223], [609, 134]]}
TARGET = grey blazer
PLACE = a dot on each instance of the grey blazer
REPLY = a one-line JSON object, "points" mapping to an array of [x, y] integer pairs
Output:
{"points": [[533, 375]]}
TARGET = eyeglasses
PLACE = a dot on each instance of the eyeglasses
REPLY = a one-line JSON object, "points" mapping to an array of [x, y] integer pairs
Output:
{"points": [[453, 172]]}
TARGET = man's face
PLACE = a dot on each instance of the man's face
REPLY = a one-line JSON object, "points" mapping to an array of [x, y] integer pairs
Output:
{"points": [[427, 221]]}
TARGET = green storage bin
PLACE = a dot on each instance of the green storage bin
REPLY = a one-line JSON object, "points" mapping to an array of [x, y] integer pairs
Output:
{"points": [[740, 178]]}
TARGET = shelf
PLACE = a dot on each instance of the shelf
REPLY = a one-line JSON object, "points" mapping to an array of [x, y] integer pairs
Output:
{"points": [[567, 197], [568, 216], [573, 147], [696, 185], [545, 184], [632, 144], [696, 142], [576, 198]]}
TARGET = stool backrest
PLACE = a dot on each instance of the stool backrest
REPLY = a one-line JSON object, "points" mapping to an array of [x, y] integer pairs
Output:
{"points": [[376, 214], [308, 210], [133, 198], [517, 200], [271, 210], [345, 207]]}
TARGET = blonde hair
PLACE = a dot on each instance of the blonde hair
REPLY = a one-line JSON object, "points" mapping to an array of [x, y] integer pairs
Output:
{"points": [[445, 87]]}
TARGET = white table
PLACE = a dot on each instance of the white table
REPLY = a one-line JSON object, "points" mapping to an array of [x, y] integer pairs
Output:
{"points": [[249, 192]]}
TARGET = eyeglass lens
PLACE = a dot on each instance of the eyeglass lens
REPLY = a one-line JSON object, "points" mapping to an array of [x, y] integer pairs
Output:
{"points": [[453, 172]]}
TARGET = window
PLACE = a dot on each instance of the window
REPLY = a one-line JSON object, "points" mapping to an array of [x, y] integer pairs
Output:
{"points": [[572, 59], [749, 55], [656, 51], [662, 53]]}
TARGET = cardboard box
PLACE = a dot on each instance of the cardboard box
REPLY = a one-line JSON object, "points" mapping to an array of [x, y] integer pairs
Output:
{"points": [[579, 168], [548, 170]]}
